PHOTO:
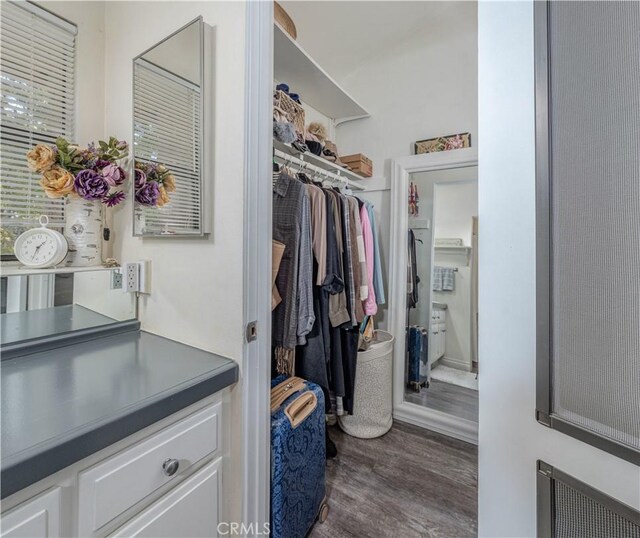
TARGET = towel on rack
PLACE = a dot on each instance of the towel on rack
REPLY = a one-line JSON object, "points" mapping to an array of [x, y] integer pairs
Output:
{"points": [[448, 279], [436, 279], [443, 279]]}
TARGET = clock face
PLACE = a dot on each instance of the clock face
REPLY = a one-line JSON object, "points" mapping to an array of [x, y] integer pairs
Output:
{"points": [[38, 248]]}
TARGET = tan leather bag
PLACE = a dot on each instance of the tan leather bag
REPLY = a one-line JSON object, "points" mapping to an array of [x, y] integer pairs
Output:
{"points": [[300, 408], [277, 251], [367, 333]]}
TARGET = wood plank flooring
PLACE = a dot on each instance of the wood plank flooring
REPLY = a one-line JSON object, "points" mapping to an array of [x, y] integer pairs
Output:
{"points": [[461, 402], [408, 483]]}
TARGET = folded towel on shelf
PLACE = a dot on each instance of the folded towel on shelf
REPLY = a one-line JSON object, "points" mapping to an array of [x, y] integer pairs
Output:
{"points": [[436, 279]]}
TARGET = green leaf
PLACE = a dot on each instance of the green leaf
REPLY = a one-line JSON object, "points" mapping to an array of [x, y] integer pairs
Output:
{"points": [[62, 144]]}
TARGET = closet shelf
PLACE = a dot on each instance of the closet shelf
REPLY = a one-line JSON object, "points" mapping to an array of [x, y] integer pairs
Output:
{"points": [[352, 179], [293, 65], [453, 248]]}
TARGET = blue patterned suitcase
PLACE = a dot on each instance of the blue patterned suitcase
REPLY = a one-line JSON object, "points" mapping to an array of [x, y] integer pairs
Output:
{"points": [[416, 347], [298, 457]]}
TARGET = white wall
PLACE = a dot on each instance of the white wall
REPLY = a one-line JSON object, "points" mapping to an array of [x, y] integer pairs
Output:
{"points": [[419, 88], [197, 284], [510, 439], [455, 205]]}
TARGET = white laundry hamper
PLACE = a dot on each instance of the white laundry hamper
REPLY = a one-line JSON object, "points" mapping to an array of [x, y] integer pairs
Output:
{"points": [[373, 393]]}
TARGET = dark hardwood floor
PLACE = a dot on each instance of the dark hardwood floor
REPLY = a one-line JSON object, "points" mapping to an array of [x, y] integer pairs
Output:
{"points": [[408, 483], [458, 401]]}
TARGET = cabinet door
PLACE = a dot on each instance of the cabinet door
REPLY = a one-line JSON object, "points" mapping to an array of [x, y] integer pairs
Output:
{"points": [[37, 517], [190, 510]]}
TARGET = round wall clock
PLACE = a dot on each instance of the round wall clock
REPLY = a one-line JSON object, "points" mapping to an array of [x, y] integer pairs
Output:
{"points": [[41, 247]]}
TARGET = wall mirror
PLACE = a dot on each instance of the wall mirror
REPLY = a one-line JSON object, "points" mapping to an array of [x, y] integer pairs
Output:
{"points": [[170, 118], [442, 301], [47, 302]]}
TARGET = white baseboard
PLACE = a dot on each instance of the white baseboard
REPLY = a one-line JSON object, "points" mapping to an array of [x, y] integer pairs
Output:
{"points": [[430, 419], [458, 364]]}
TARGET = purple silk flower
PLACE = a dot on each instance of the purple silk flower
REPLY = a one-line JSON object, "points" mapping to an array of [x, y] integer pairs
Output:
{"points": [[90, 185], [114, 174], [141, 178], [148, 194]]}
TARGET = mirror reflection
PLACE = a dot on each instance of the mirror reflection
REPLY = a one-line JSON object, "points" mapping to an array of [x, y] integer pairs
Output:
{"points": [[442, 300], [167, 135], [44, 304]]}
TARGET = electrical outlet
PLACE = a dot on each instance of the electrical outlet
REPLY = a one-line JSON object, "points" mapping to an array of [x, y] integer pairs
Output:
{"points": [[131, 277], [116, 279], [145, 276]]}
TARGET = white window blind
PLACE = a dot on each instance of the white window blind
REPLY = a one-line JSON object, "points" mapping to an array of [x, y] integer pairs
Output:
{"points": [[167, 131], [37, 69]]}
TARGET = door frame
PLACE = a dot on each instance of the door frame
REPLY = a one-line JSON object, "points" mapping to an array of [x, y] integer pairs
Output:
{"points": [[401, 168], [256, 359]]}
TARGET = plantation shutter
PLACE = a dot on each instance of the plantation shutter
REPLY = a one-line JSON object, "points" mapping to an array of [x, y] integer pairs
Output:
{"points": [[37, 68], [167, 131]]}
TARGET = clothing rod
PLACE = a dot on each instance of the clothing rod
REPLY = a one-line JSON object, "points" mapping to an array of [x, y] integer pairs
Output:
{"points": [[285, 158]]}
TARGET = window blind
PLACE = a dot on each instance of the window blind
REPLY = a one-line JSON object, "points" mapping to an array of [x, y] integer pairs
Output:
{"points": [[167, 131], [37, 70]]}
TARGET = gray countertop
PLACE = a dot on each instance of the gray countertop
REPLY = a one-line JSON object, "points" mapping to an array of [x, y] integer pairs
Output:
{"points": [[31, 324], [62, 405]]}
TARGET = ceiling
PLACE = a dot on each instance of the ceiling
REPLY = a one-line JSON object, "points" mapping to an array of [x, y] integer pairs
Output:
{"points": [[339, 35]]}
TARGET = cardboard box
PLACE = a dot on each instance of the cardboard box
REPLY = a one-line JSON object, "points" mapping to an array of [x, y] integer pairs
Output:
{"points": [[359, 163]]}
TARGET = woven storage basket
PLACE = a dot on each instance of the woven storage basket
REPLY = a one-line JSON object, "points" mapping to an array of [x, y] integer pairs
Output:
{"points": [[283, 19], [293, 110], [373, 391]]}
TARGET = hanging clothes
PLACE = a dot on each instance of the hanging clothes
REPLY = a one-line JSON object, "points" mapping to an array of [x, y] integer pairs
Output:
{"points": [[377, 266], [370, 306], [318, 231], [412, 272], [348, 261], [293, 318], [358, 257], [338, 313], [329, 273]]}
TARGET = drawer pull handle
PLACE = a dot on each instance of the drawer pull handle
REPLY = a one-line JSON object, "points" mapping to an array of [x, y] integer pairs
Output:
{"points": [[170, 466]]}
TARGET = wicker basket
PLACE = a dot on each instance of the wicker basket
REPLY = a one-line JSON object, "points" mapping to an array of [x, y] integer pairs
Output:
{"points": [[283, 19], [294, 111]]}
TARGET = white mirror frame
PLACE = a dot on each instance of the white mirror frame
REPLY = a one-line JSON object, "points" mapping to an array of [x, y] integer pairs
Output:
{"points": [[401, 168]]}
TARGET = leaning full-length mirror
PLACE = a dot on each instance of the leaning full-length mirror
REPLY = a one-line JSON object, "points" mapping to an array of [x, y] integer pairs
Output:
{"points": [[442, 294], [168, 123]]}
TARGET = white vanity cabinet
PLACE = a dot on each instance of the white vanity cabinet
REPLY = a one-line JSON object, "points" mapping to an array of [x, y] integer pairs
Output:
{"points": [[38, 517], [438, 334], [166, 480]]}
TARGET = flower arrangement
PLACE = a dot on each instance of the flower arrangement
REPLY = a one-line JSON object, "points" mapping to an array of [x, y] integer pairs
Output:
{"points": [[91, 173], [153, 183]]}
